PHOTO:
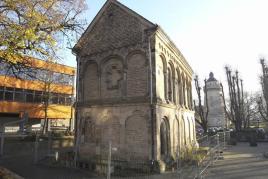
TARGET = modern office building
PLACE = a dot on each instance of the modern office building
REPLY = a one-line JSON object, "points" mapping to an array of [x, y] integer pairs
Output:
{"points": [[45, 89]]}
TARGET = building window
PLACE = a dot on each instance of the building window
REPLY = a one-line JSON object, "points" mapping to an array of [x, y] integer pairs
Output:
{"points": [[1, 93], [55, 98], [169, 85], [38, 96], [19, 95], [164, 138], [62, 99], [69, 100], [9, 94], [32, 96], [29, 95]]}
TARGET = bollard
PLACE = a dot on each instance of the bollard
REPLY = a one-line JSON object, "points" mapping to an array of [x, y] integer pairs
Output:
{"points": [[109, 161], [36, 148], [224, 140], [218, 145], [2, 143], [56, 156], [49, 143]]}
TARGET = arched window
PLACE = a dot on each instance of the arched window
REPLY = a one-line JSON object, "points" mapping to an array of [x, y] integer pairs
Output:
{"points": [[185, 131], [137, 75], [162, 77], [164, 138], [183, 92], [90, 81], [171, 82], [189, 102], [180, 95], [170, 92], [193, 126], [190, 130], [176, 136], [112, 77], [191, 99]]}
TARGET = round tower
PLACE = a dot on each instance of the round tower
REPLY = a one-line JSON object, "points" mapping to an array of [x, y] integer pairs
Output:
{"points": [[216, 114]]}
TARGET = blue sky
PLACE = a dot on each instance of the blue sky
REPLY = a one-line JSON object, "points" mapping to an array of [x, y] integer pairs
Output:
{"points": [[209, 33]]}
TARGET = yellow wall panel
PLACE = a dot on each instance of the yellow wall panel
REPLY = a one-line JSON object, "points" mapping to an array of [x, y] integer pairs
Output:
{"points": [[36, 110], [33, 85]]}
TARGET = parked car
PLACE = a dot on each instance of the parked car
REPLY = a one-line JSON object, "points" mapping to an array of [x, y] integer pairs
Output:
{"points": [[260, 133], [212, 130], [199, 131]]}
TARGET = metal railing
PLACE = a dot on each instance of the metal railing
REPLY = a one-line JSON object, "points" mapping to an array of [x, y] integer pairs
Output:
{"points": [[215, 145], [184, 162]]}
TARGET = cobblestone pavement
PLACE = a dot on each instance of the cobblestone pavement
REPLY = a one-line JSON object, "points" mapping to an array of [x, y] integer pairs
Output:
{"points": [[241, 162]]}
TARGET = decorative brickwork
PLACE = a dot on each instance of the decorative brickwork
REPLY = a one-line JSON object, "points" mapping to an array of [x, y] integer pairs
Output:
{"points": [[131, 79]]}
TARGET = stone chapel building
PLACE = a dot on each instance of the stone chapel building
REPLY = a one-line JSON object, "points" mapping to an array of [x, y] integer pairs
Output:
{"points": [[134, 89]]}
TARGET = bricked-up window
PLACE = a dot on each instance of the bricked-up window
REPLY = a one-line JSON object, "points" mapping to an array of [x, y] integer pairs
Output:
{"points": [[9, 94]]}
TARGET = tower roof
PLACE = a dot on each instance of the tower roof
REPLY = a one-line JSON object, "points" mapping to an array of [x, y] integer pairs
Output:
{"points": [[211, 77]]}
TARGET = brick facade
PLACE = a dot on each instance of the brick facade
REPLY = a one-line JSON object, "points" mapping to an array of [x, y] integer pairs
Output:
{"points": [[134, 89]]}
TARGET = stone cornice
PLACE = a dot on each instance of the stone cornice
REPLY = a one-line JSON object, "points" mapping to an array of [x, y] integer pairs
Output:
{"points": [[172, 47], [113, 101]]}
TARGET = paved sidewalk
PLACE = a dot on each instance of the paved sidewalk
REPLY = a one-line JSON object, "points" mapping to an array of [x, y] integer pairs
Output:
{"points": [[241, 162]]}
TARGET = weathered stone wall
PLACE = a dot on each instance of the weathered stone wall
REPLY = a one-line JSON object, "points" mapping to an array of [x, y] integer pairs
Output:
{"points": [[115, 74], [112, 31], [128, 127], [181, 129], [173, 74], [115, 102]]}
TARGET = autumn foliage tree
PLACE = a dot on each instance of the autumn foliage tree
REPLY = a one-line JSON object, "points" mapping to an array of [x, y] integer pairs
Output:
{"points": [[37, 28]]}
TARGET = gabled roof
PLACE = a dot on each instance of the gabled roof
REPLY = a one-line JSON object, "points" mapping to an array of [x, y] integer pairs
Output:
{"points": [[98, 16]]}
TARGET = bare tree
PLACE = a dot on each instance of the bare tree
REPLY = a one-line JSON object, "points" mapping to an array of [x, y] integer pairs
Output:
{"points": [[199, 108], [226, 110], [236, 96], [49, 82], [263, 100], [250, 109]]}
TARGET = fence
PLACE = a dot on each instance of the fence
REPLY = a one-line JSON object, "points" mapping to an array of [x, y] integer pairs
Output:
{"points": [[39, 149], [212, 148], [182, 163]]}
